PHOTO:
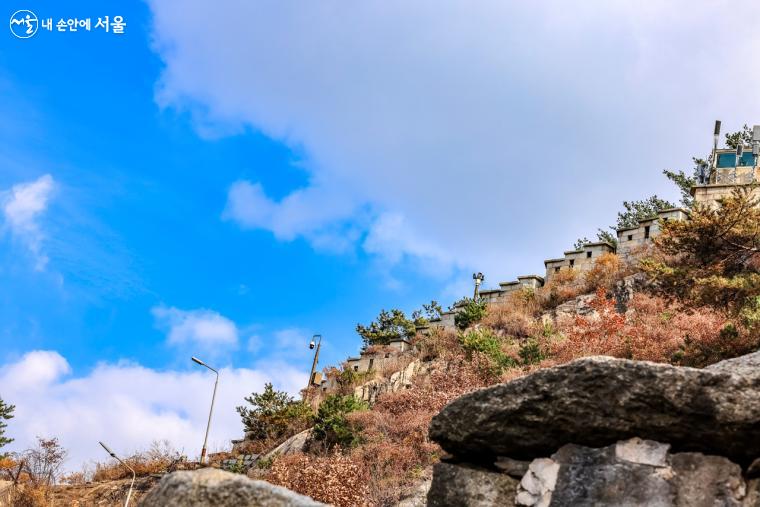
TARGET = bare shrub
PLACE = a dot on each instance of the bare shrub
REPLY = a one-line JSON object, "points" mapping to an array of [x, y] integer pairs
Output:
{"points": [[44, 462], [75, 478]]}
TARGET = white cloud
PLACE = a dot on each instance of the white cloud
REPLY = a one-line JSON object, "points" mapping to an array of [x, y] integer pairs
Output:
{"points": [[249, 206], [312, 212], [127, 405], [206, 329], [22, 207], [499, 131]]}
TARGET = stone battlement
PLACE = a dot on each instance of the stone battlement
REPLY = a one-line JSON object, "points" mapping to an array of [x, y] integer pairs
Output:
{"points": [[582, 259]]}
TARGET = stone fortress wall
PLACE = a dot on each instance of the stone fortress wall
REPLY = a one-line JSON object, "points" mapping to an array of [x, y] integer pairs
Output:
{"points": [[631, 238], [722, 179]]}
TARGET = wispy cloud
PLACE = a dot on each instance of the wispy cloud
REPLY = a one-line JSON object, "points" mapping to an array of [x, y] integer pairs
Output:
{"points": [[331, 222], [22, 207], [206, 329]]}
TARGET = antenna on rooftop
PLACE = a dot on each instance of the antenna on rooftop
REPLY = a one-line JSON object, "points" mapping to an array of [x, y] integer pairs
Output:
{"points": [[716, 134]]}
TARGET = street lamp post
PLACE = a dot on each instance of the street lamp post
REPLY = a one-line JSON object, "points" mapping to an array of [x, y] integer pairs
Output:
{"points": [[211, 411], [132, 484], [478, 277], [318, 339]]}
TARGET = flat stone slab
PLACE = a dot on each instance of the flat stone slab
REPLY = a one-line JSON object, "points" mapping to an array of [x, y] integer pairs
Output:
{"points": [[597, 401]]}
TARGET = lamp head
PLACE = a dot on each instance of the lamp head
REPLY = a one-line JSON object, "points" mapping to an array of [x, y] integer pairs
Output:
{"points": [[109, 451], [198, 361], [311, 344]]}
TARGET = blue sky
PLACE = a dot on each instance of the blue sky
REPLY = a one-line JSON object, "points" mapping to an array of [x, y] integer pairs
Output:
{"points": [[225, 179]]}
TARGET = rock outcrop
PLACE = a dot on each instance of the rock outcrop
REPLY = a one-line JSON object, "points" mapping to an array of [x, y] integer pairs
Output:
{"points": [[402, 379], [602, 431], [210, 486], [597, 401], [296, 443]]}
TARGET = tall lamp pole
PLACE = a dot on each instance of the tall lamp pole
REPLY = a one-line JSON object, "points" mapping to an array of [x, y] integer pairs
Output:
{"points": [[211, 411], [113, 455], [318, 339], [478, 277]]}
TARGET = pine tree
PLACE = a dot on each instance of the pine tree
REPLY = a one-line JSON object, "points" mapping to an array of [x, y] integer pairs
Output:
{"points": [[6, 412], [714, 257]]}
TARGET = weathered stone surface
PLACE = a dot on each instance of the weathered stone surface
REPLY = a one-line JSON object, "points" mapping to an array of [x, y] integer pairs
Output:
{"points": [[747, 365], [597, 401], [210, 486], [704, 481], [418, 496], [643, 452], [296, 443], [752, 499], [577, 475], [402, 379], [579, 305], [537, 485], [595, 477], [513, 467], [464, 485]]}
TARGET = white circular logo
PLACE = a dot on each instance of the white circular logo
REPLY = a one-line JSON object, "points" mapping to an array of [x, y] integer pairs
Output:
{"points": [[24, 24]]}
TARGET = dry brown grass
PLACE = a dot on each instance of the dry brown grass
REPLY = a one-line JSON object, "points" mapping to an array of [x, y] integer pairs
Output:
{"points": [[562, 287], [161, 457], [337, 479], [30, 495], [516, 316], [653, 330]]}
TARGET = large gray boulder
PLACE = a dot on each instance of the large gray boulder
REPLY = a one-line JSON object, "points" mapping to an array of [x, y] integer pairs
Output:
{"points": [[464, 485], [210, 486], [632, 473], [597, 401]]}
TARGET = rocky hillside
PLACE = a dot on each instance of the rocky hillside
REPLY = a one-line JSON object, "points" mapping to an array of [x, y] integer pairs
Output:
{"points": [[512, 403]]}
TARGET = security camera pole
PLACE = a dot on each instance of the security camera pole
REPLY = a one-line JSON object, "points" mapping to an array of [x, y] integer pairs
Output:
{"points": [[318, 339], [478, 277], [109, 451], [210, 412]]}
